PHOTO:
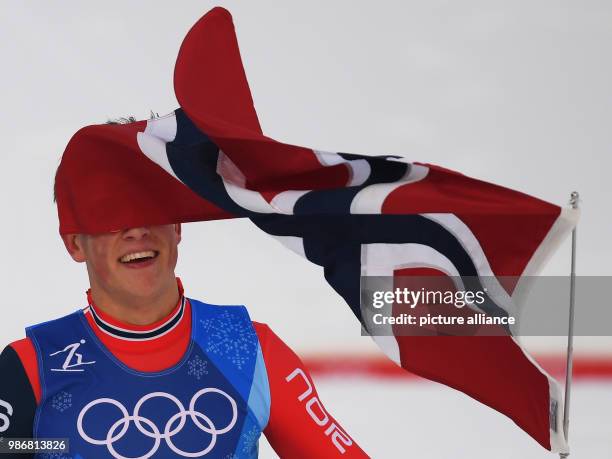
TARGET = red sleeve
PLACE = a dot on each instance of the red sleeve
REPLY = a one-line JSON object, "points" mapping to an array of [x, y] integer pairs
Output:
{"points": [[299, 425], [27, 354]]}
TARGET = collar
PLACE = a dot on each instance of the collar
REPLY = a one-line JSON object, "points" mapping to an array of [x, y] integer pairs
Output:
{"points": [[118, 329]]}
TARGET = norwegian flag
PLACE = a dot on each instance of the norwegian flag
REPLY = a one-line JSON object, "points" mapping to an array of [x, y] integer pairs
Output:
{"points": [[354, 215]]}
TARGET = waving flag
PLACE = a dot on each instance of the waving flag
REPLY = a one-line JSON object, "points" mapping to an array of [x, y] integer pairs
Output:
{"points": [[354, 215]]}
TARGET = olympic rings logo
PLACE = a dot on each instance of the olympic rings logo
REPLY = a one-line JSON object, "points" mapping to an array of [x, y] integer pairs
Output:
{"points": [[149, 429]]}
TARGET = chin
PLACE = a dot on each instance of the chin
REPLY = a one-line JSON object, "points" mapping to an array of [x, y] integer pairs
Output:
{"points": [[143, 287]]}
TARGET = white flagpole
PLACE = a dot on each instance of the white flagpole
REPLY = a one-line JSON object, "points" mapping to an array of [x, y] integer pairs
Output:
{"points": [[574, 198]]}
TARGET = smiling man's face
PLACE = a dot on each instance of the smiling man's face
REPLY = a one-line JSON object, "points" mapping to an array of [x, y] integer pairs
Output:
{"points": [[132, 264]]}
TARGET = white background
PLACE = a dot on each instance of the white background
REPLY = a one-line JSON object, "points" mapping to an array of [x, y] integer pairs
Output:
{"points": [[517, 93]]}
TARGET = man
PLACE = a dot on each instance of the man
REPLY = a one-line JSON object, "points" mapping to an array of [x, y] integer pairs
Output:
{"points": [[143, 371]]}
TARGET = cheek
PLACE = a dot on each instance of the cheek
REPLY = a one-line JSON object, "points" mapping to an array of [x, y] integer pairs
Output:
{"points": [[170, 239], [102, 264], [172, 256]]}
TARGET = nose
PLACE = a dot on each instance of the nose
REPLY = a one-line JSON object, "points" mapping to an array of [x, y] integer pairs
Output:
{"points": [[136, 233]]}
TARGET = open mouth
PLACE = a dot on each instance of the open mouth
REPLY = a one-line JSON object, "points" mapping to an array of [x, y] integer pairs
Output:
{"points": [[138, 257]]}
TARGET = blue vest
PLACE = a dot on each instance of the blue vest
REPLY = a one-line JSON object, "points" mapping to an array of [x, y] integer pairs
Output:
{"points": [[214, 403]]}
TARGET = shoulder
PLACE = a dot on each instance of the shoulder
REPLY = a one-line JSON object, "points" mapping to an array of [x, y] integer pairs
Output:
{"points": [[24, 348], [263, 333], [273, 347], [267, 338], [54, 323], [219, 312], [20, 357], [199, 304], [261, 328], [10, 357], [20, 352]]}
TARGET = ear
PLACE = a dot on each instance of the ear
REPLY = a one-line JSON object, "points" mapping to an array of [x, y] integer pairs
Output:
{"points": [[74, 246], [177, 229]]}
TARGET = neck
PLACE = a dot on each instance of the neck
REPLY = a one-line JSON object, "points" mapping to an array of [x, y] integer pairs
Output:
{"points": [[136, 310]]}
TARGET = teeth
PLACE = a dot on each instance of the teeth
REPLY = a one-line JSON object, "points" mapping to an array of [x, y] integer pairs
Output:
{"points": [[136, 256]]}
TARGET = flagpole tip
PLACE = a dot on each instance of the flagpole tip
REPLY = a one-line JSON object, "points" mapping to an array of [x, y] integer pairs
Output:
{"points": [[574, 199]]}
